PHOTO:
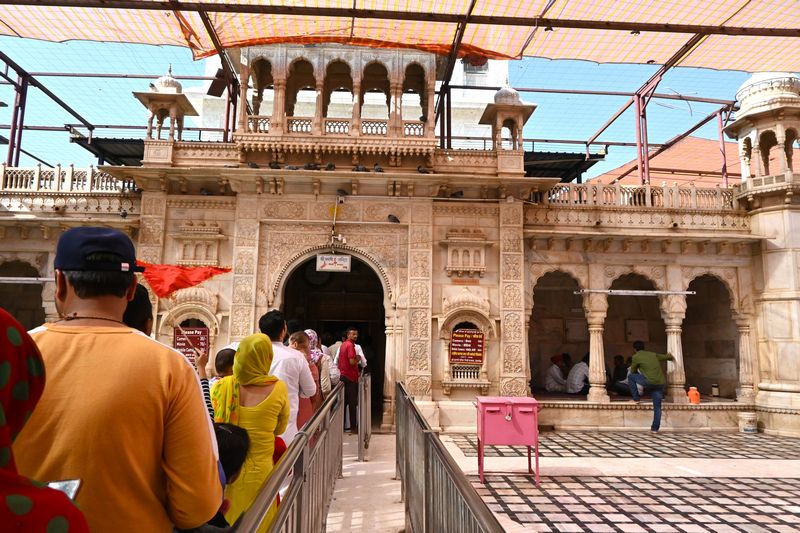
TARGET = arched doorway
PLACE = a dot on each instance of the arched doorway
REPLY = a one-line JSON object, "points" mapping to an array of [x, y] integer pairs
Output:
{"points": [[710, 338], [633, 318], [22, 300], [330, 302], [558, 324]]}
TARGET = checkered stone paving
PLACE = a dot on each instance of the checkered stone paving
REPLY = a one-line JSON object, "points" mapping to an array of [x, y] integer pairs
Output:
{"points": [[646, 504], [621, 446]]}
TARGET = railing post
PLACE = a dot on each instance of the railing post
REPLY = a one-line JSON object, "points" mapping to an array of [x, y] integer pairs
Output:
{"points": [[57, 176], [37, 175], [90, 179], [68, 178], [426, 516], [3, 177], [693, 191], [648, 201]]}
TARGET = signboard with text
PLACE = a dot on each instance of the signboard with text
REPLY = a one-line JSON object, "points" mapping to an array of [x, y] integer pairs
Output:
{"points": [[185, 338], [333, 262], [466, 347]]}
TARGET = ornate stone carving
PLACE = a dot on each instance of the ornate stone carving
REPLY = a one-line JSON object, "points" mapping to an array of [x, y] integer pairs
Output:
{"points": [[420, 294], [196, 296], [151, 231], [513, 387], [418, 357], [511, 240], [418, 385], [465, 210], [243, 289], [380, 212], [245, 262], [153, 206], [512, 326], [202, 203], [420, 324], [512, 296], [466, 252], [579, 272], [512, 267], [465, 299], [420, 237], [286, 210], [512, 215], [512, 359], [246, 231], [420, 265], [241, 321]]}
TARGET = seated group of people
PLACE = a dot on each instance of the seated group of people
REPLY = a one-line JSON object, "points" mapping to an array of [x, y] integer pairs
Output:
{"points": [[577, 375], [124, 414]]}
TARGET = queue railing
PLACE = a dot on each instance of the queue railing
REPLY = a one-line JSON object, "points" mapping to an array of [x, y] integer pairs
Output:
{"points": [[364, 415], [436, 493], [311, 465]]}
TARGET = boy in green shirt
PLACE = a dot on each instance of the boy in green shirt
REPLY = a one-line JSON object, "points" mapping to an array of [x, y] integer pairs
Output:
{"points": [[650, 376]]}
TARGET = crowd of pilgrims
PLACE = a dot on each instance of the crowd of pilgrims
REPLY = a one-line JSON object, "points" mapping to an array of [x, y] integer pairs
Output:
{"points": [[125, 414]]}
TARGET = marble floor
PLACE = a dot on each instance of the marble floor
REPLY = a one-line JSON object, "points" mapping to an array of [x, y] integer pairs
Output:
{"points": [[640, 482]]}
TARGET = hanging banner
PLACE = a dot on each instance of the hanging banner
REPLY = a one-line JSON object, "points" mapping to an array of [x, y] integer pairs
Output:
{"points": [[466, 347], [184, 340], [333, 262]]}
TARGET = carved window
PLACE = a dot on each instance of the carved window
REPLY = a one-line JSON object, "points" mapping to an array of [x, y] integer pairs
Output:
{"points": [[465, 252]]}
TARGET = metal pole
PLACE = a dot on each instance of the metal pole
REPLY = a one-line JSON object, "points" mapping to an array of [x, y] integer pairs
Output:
{"points": [[637, 107], [12, 136], [645, 148], [722, 149], [442, 128], [448, 103], [227, 115], [20, 117]]}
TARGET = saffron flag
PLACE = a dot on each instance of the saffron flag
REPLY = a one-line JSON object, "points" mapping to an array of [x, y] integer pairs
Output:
{"points": [[166, 279]]}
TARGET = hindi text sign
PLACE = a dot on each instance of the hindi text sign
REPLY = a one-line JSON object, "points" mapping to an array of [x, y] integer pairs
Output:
{"points": [[333, 262], [185, 338], [466, 347]]}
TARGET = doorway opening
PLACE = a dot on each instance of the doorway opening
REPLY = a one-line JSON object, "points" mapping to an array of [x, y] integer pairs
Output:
{"points": [[331, 302], [22, 300]]}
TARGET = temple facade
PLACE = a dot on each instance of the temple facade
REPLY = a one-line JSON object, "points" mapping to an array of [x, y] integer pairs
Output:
{"points": [[336, 156]]}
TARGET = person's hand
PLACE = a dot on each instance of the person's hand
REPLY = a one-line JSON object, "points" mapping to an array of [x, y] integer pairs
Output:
{"points": [[201, 362]]}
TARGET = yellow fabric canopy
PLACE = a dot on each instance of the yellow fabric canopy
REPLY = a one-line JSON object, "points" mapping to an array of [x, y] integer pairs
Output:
{"points": [[745, 35]]}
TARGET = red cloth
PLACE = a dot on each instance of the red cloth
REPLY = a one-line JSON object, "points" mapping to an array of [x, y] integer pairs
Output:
{"points": [[348, 360], [26, 504], [166, 279]]}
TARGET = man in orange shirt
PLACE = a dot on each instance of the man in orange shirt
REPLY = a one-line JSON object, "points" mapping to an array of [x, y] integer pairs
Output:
{"points": [[121, 412]]}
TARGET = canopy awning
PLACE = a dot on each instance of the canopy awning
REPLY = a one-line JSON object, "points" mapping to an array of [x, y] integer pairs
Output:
{"points": [[736, 34]]}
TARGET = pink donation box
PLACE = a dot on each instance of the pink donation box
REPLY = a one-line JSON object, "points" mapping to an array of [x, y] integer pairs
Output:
{"points": [[510, 421]]}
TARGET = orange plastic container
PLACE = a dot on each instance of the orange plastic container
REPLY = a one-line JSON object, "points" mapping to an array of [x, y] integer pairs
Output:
{"points": [[694, 395]]}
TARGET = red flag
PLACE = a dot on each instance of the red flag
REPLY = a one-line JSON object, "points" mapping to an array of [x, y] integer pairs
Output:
{"points": [[166, 279]]}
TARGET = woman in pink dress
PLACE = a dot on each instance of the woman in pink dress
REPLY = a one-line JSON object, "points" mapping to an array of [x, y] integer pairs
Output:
{"points": [[306, 406]]}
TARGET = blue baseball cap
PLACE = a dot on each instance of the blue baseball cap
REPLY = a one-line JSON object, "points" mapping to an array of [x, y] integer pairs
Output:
{"points": [[76, 244]]}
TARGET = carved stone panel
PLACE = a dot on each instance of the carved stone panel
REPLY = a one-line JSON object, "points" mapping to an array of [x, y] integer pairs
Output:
{"points": [[418, 356], [511, 269], [513, 387], [512, 359]]}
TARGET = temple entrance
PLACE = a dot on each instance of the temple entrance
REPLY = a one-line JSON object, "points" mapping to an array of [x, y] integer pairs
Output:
{"points": [[330, 302], [22, 300]]}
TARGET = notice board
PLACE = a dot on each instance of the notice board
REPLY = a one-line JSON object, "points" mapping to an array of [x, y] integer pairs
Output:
{"points": [[466, 347], [185, 338]]}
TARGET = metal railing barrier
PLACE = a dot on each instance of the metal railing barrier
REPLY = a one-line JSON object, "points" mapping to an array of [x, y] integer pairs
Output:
{"points": [[311, 465], [437, 495], [364, 415]]}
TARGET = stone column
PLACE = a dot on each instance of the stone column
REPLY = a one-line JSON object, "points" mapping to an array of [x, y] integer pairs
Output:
{"points": [[244, 78], [782, 164], [746, 390], [597, 358], [173, 114], [355, 123], [430, 125], [513, 373], [318, 126], [673, 311], [396, 112], [420, 242], [245, 254], [276, 124], [744, 159], [388, 376]]}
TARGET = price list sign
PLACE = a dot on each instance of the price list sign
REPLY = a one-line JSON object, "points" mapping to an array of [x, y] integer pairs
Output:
{"points": [[466, 347], [185, 338]]}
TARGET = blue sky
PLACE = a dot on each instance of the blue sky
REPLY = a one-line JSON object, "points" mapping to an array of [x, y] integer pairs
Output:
{"points": [[559, 116]]}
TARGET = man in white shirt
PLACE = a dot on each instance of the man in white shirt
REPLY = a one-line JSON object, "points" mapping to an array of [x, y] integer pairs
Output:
{"points": [[288, 365], [554, 379], [578, 378]]}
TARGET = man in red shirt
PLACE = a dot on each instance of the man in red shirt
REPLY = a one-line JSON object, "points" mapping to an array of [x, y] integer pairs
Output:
{"points": [[348, 366]]}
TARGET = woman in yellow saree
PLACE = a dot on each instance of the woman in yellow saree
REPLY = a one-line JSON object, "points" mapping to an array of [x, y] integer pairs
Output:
{"points": [[255, 400]]}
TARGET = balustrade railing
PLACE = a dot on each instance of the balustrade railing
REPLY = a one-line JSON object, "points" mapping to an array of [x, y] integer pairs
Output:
{"points": [[337, 126], [374, 127], [258, 123], [299, 125], [465, 372], [437, 494], [669, 197], [58, 179], [413, 128]]}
